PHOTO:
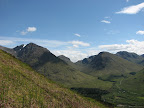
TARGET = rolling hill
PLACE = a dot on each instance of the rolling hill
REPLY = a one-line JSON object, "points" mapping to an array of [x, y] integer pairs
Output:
{"points": [[21, 86]]}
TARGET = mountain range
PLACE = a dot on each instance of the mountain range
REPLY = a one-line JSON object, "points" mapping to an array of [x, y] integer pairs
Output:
{"points": [[105, 71]]}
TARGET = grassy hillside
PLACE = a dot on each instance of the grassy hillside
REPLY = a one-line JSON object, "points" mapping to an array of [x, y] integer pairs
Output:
{"points": [[134, 83], [20, 86]]}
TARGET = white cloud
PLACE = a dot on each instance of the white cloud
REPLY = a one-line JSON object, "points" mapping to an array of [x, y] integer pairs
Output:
{"points": [[127, 0], [105, 21], [29, 29], [6, 42], [132, 9], [78, 35], [79, 43], [131, 46], [140, 32], [76, 46], [24, 32], [74, 55]]}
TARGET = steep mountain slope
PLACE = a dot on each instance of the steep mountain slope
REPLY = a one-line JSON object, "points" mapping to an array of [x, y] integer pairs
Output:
{"points": [[107, 64], [132, 57], [20, 86], [44, 62]]}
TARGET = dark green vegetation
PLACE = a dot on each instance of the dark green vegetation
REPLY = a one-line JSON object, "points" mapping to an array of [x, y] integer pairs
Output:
{"points": [[91, 92], [109, 78], [128, 91], [21, 87]]}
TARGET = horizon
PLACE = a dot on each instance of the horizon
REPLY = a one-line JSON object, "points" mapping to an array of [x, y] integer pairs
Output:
{"points": [[76, 29], [78, 60]]}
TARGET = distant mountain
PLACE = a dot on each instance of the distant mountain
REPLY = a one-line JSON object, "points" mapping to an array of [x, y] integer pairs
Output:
{"points": [[8, 50], [56, 69], [106, 64], [66, 59], [132, 57], [22, 87], [35, 55]]}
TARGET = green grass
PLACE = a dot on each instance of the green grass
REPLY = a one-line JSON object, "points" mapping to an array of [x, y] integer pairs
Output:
{"points": [[22, 87], [68, 76], [128, 91]]}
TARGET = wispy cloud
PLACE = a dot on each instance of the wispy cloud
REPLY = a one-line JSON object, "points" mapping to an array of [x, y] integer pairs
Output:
{"points": [[78, 35], [43, 42], [29, 29], [127, 0], [130, 46], [79, 43], [105, 21], [6, 42], [140, 32], [132, 9]]}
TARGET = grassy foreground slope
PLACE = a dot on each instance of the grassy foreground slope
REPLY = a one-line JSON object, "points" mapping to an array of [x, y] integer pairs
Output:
{"points": [[20, 86]]}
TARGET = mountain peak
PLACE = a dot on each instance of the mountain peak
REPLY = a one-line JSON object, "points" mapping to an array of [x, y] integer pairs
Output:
{"points": [[64, 58], [132, 57]]}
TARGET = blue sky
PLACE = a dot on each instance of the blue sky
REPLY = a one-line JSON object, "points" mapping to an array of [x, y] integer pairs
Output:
{"points": [[74, 28]]}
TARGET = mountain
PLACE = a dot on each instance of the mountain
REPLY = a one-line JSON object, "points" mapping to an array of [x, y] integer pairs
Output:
{"points": [[107, 65], [67, 60], [132, 57], [21, 86], [64, 58], [8, 50], [52, 67]]}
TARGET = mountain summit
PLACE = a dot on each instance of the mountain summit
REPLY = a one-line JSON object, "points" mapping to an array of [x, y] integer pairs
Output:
{"points": [[132, 57]]}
